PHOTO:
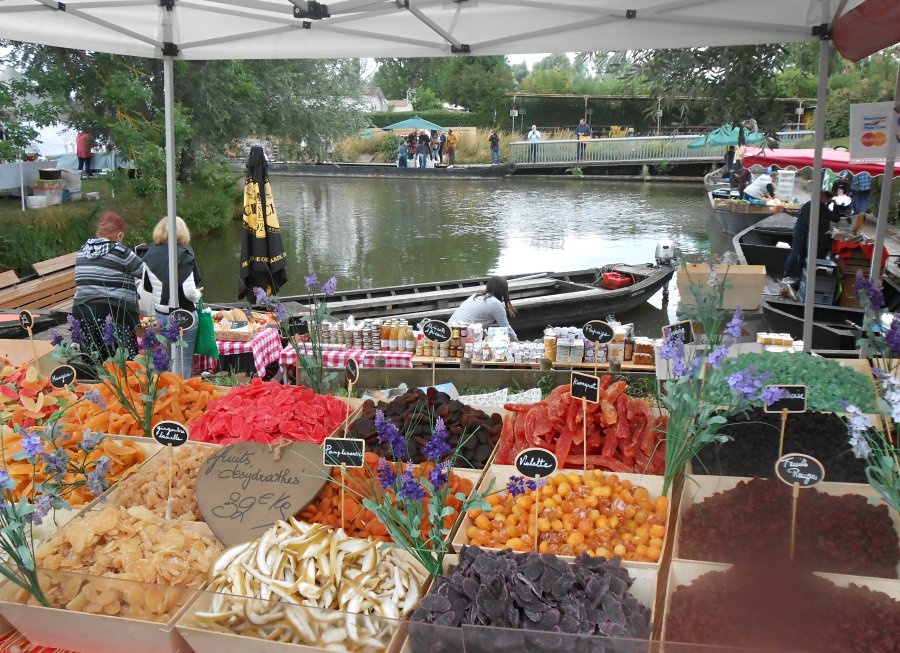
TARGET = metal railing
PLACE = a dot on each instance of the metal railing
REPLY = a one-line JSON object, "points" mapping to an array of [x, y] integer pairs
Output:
{"points": [[633, 149]]}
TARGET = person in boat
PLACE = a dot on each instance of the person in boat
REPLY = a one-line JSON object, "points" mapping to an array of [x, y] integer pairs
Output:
{"points": [[729, 161], [763, 187], [105, 289], [156, 281], [488, 307], [801, 236], [844, 181], [740, 178], [841, 203], [860, 189]]}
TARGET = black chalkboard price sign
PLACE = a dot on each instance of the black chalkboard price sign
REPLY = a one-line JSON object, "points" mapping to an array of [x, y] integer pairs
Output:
{"points": [[184, 319], [349, 452], [795, 402], [26, 320], [685, 329], [536, 463], [437, 331], [352, 370], [586, 386], [62, 376], [170, 433], [597, 331], [801, 469]]}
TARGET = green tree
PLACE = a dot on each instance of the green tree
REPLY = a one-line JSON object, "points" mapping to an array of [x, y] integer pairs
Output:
{"points": [[426, 100], [479, 84], [543, 80], [555, 62], [520, 72], [20, 113], [396, 76]]}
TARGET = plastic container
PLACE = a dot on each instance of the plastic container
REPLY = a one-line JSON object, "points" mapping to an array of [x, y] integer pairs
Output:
{"points": [[36, 201], [613, 280]]}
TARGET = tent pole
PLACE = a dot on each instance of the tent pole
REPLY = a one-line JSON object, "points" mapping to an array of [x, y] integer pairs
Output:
{"points": [[169, 92], [813, 243], [887, 183], [22, 182]]}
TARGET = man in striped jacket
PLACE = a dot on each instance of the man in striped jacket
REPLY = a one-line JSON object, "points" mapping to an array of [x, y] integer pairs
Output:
{"points": [[106, 300]]}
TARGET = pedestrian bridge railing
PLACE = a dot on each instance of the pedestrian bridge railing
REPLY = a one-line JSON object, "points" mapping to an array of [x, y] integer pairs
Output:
{"points": [[634, 149]]}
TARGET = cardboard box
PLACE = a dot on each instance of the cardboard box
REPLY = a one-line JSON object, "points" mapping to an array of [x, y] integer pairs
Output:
{"points": [[744, 283]]}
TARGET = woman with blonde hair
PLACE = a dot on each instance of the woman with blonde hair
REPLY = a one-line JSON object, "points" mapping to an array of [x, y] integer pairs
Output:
{"points": [[156, 281]]}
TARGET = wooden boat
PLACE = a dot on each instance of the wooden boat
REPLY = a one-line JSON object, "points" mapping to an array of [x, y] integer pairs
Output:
{"points": [[713, 180], [734, 216], [758, 243], [834, 327], [540, 299]]}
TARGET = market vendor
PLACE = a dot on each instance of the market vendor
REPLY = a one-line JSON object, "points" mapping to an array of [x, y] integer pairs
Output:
{"points": [[488, 307], [763, 186], [801, 236]]}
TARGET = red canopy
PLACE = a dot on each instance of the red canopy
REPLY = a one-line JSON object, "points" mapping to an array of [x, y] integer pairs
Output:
{"points": [[832, 159], [868, 28]]}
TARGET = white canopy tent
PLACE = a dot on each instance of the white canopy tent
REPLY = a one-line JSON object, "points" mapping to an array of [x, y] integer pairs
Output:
{"points": [[273, 29]]}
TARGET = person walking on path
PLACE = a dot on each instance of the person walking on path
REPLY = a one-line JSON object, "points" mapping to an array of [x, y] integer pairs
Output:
{"points": [[495, 148], [533, 137], [83, 143], [156, 281], [105, 289], [452, 140], [582, 133]]}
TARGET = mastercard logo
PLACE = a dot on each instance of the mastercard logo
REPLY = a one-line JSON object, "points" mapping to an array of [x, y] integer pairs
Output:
{"points": [[873, 139]]}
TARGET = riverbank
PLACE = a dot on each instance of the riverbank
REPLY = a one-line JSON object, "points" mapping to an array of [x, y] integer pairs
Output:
{"points": [[39, 234]]}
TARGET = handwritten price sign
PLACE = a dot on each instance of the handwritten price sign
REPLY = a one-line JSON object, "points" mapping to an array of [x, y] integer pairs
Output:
{"points": [[801, 469]]}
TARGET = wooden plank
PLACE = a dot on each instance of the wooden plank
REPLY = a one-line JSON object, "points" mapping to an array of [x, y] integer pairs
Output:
{"points": [[40, 293], [43, 268], [8, 278]]}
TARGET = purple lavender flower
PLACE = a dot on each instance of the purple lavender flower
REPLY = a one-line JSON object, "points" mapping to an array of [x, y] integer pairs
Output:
{"points": [[148, 340], [717, 356], [386, 475], [76, 332], [93, 396], [534, 483], [56, 338], [261, 296], [6, 483], [109, 331], [438, 475], [56, 463], [311, 281], [160, 359], [437, 446], [868, 292], [330, 286], [410, 488], [89, 442], [32, 444], [170, 330], [516, 486], [892, 337], [746, 384], [96, 478], [695, 364], [389, 434], [673, 350], [281, 313], [734, 328], [41, 509], [772, 394]]}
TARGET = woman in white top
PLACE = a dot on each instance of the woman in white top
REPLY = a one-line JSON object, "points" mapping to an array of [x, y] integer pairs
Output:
{"points": [[489, 307]]}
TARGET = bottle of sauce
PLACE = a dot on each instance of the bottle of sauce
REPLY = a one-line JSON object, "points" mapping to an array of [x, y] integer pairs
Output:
{"points": [[410, 338], [385, 336], [394, 336], [629, 347]]}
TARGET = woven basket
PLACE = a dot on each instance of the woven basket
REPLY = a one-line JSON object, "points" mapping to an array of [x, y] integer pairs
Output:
{"points": [[257, 323]]}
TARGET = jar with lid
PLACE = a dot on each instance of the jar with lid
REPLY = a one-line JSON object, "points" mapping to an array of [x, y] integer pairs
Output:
{"points": [[420, 345]]}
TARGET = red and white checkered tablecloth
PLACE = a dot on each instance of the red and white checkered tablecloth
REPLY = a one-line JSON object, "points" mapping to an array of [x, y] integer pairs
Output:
{"points": [[265, 347], [339, 358]]}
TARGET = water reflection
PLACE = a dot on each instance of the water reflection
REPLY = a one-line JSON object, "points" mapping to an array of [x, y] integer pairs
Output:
{"points": [[376, 232]]}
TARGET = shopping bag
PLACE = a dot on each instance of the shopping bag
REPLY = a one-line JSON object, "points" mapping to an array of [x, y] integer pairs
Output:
{"points": [[206, 333]]}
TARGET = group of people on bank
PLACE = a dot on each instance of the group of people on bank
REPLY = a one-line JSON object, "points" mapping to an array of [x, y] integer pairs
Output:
{"points": [[420, 147], [108, 274]]}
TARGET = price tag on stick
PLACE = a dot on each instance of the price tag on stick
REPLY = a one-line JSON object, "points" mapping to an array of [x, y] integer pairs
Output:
{"points": [[598, 332], [684, 328], [26, 321], [184, 319], [586, 388], [794, 402], [536, 463], [799, 471], [172, 434], [351, 370], [343, 452], [437, 332], [62, 376]]}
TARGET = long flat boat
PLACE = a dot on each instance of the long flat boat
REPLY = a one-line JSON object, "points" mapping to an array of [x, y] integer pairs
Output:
{"points": [[540, 299], [758, 244], [834, 327], [734, 216]]}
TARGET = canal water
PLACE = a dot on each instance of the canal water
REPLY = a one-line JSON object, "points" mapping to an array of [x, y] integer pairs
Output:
{"points": [[377, 232]]}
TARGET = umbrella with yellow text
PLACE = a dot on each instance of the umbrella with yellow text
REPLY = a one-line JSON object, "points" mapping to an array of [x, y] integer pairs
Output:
{"points": [[263, 259]]}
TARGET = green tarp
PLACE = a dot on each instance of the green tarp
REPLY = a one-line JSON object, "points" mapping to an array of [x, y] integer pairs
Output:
{"points": [[727, 135]]}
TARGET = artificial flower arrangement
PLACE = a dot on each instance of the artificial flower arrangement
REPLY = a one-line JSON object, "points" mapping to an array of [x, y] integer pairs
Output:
{"points": [[309, 354], [879, 448], [695, 416]]}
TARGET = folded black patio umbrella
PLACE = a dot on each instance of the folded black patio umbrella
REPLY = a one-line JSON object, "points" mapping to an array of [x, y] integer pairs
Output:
{"points": [[263, 259]]}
